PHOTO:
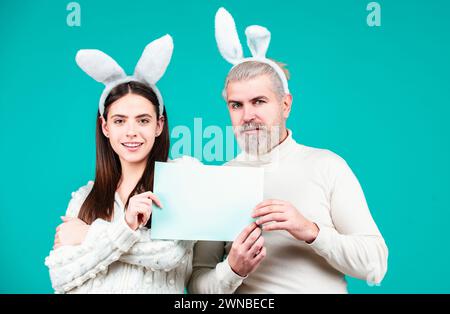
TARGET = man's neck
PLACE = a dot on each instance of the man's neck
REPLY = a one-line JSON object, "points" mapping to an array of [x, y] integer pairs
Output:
{"points": [[284, 137]]}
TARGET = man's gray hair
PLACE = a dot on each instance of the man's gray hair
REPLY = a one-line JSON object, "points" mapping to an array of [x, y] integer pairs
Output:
{"points": [[251, 69]]}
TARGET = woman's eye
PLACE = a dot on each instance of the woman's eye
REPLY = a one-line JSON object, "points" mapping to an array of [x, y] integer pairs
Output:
{"points": [[118, 121], [144, 121]]}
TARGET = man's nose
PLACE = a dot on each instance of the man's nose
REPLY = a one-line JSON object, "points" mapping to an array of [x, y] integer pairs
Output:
{"points": [[249, 113]]}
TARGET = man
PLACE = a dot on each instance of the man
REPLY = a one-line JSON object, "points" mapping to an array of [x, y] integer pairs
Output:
{"points": [[314, 226]]}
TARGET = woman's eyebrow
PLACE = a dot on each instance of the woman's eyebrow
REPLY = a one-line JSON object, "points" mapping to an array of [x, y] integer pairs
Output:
{"points": [[124, 116], [144, 115], [119, 116]]}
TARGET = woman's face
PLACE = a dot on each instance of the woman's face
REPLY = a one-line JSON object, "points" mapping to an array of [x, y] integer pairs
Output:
{"points": [[132, 126]]}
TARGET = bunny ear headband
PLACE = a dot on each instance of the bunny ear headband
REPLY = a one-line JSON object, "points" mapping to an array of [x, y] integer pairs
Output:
{"points": [[149, 69], [258, 39]]}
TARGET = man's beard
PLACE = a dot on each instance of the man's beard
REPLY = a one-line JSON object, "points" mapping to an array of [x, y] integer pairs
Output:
{"points": [[259, 143]]}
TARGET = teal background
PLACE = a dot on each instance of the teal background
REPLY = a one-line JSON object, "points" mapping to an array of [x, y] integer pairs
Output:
{"points": [[379, 97]]}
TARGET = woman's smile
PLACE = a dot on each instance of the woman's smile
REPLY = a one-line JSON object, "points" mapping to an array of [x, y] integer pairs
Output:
{"points": [[132, 146]]}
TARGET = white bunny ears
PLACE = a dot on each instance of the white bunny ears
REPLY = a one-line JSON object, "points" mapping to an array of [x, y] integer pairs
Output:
{"points": [[149, 69], [258, 39]]}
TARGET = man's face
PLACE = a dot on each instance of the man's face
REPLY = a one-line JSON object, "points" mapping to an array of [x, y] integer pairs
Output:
{"points": [[257, 114]]}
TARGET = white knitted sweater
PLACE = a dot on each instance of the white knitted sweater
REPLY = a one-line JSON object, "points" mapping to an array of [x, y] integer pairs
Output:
{"points": [[115, 259]]}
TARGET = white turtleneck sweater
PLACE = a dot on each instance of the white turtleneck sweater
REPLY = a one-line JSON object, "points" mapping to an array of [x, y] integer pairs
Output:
{"points": [[323, 188], [115, 259]]}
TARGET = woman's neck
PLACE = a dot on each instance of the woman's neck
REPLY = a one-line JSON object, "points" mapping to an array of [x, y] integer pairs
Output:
{"points": [[131, 174]]}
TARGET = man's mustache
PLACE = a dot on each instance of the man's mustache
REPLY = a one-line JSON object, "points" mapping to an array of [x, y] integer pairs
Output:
{"points": [[251, 126]]}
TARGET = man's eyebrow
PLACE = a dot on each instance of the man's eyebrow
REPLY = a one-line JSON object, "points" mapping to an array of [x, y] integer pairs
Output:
{"points": [[234, 101], [251, 100], [258, 98]]}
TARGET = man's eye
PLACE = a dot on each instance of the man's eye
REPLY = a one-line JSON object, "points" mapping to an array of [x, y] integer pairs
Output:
{"points": [[259, 102], [235, 105]]}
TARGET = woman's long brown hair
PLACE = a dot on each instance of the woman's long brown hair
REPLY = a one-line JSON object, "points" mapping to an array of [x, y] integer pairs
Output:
{"points": [[100, 201]]}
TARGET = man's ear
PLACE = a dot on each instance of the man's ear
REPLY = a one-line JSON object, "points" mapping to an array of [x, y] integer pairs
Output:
{"points": [[104, 127], [287, 105], [160, 125]]}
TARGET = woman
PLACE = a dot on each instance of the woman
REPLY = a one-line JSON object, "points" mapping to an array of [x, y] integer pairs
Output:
{"points": [[103, 244]]}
